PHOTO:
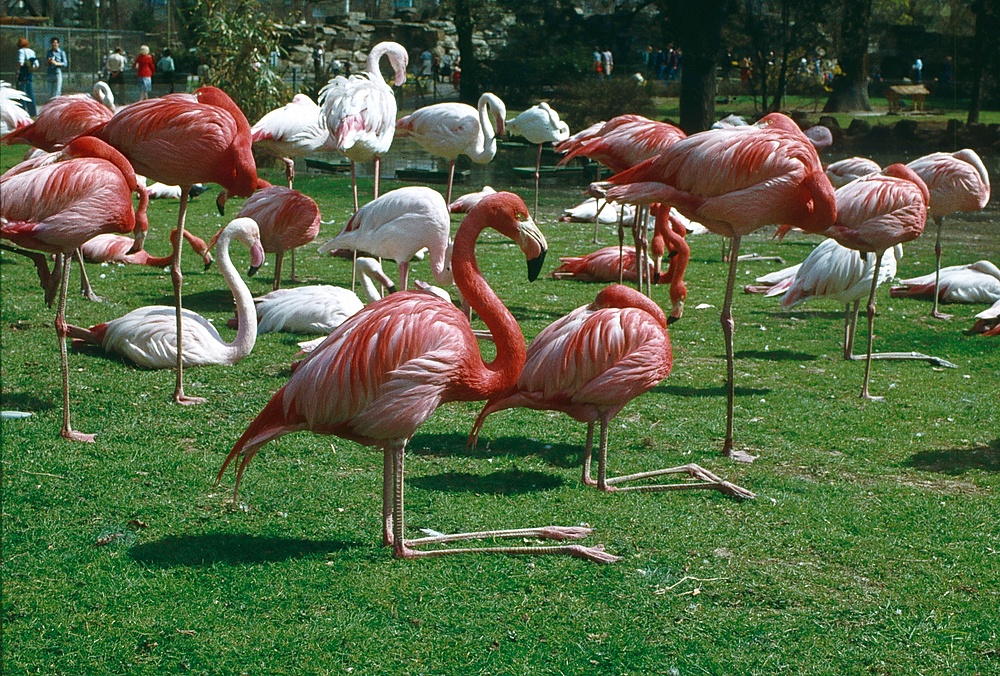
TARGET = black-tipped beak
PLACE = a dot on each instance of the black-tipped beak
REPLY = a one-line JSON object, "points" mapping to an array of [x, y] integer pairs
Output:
{"points": [[220, 204], [671, 320], [253, 270], [390, 289], [208, 264], [535, 266]]}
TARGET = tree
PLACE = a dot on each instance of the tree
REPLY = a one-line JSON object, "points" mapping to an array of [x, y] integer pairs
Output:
{"points": [[850, 87], [984, 51], [698, 27]]}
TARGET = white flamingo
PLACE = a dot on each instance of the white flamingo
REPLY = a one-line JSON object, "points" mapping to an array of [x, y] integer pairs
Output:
{"points": [[12, 115], [977, 282], [452, 129], [360, 111], [148, 336], [539, 124], [294, 130]]}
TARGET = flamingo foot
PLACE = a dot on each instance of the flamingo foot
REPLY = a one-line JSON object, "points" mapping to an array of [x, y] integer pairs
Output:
{"points": [[937, 314], [871, 397], [595, 553], [91, 296], [185, 400], [737, 455], [74, 435]]}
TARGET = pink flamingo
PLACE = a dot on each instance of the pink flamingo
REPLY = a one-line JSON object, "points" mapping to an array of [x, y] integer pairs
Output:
{"points": [[464, 204], [539, 125], [379, 375], [843, 172], [147, 336], [183, 139], [360, 110], [110, 248], [957, 182], [589, 365], [55, 208], [875, 213], [977, 282], [452, 129], [287, 219], [771, 174], [397, 225], [64, 118]]}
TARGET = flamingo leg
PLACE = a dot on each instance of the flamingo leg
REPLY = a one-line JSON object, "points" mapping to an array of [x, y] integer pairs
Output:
{"points": [[289, 170], [404, 549], [538, 166], [178, 279], [85, 289], [587, 453], [292, 277], [937, 270], [378, 175], [279, 258], [597, 218], [404, 274], [354, 187], [49, 281], [621, 245], [871, 325], [387, 492], [67, 431], [850, 326], [451, 180], [728, 327]]}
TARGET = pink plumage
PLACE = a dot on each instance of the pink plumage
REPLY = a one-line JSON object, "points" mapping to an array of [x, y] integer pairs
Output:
{"points": [[60, 121], [623, 142], [110, 248]]}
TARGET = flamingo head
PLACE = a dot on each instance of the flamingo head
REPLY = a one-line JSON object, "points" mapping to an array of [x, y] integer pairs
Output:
{"points": [[903, 172], [507, 213]]}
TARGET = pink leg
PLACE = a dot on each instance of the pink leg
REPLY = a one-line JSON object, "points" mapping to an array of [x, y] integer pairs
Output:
{"points": [[278, 260], [61, 331], [728, 327], [538, 166], [178, 279], [289, 170], [404, 275], [378, 175], [354, 186], [871, 328], [451, 180], [937, 270], [85, 289]]}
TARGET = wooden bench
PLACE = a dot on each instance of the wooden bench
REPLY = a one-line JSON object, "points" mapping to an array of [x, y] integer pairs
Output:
{"points": [[917, 92]]}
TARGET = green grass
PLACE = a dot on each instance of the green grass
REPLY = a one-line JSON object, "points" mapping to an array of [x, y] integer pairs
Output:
{"points": [[873, 546]]}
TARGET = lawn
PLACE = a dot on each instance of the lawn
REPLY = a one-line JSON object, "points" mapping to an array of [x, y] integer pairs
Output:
{"points": [[872, 547]]}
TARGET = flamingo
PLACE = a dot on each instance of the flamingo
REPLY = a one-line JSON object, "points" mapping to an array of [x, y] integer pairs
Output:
{"points": [[183, 139], [771, 174], [397, 225], [464, 204], [108, 248], [977, 282], [820, 136], [55, 208], [360, 111], [838, 273], [287, 219], [64, 118], [160, 191], [294, 130], [875, 213], [988, 321], [320, 308], [589, 365], [539, 124], [843, 172], [609, 214], [452, 129], [378, 376], [147, 336], [12, 115], [957, 182]]}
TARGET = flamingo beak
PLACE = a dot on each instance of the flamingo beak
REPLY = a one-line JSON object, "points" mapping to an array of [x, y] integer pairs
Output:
{"points": [[533, 244], [677, 312], [390, 289], [220, 202], [256, 258]]}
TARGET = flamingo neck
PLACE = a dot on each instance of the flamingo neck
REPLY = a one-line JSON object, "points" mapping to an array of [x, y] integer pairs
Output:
{"points": [[246, 313], [368, 286], [440, 262], [511, 352], [486, 146]]}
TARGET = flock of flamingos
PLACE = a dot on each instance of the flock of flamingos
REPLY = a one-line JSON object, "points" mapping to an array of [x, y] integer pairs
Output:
{"points": [[387, 366]]}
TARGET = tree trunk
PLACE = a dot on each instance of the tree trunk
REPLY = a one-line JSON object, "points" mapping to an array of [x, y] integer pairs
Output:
{"points": [[850, 90], [700, 38], [469, 82], [987, 16]]}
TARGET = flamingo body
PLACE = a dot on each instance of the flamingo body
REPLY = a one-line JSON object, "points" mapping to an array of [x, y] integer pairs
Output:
{"points": [[835, 272], [956, 181], [308, 310], [464, 204], [623, 142], [12, 115], [61, 120], [294, 130], [452, 129], [977, 282], [843, 172]]}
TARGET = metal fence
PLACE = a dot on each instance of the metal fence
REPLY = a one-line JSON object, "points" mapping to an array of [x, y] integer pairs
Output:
{"points": [[85, 48]]}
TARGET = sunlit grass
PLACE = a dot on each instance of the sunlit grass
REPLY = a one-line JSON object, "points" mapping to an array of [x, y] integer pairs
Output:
{"points": [[872, 547]]}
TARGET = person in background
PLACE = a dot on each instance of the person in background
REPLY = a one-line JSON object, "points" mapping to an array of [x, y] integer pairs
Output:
{"points": [[144, 69], [27, 63], [56, 60], [116, 75], [918, 69], [607, 62], [166, 68]]}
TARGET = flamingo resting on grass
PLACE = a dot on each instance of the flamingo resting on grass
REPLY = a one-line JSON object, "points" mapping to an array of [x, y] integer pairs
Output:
{"points": [[360, 111], [988, 321], [381, 374], [977, 282], [55, 208], [956, 182], [589, 365], [452, 129], [183, 139], [771, 174], [147, 336]]}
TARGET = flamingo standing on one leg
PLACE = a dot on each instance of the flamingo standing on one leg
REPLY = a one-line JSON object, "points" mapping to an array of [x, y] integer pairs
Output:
{"points": [[64, 118], [287, 219], [771, 174], [147, 336], [875, 213], [539, 124], [57, 207], [360, 111], [957, 182], [452, 129], [378, 376], [183, 139], [589, 365], [397, 225]]}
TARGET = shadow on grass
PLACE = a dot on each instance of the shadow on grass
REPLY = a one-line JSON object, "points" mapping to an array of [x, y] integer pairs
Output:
{"points": [[958, 460], [22, 401], [505, 482], [719, 391], [228, 548], [775, 355], [216, 300], [557, 455]]}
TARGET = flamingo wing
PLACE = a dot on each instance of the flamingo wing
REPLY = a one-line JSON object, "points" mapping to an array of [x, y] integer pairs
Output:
{"points": [[308, 310], [148, 337]]}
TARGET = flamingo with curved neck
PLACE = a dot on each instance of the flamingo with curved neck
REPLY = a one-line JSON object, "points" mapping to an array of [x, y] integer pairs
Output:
{"points": [[147, 336], [379, 375]]}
